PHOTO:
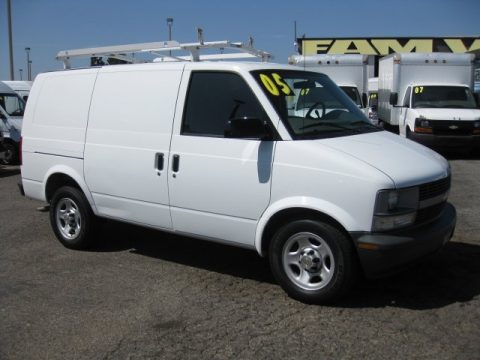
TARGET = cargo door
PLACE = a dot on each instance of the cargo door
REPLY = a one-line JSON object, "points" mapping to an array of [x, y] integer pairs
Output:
{"points": [[128, 141]]}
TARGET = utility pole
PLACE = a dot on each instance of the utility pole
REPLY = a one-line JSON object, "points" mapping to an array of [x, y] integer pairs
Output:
{"points": [[170, 24], [10, 41], [295, 44], [29, 64]]}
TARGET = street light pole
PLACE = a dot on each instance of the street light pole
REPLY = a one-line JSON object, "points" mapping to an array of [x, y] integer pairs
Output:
{"points": [[10, 38], [21, 72], [170, 24], [29, 64]]}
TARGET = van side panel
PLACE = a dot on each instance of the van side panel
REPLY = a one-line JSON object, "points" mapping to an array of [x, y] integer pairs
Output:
{"points": [[59, 119], [54, 128], [128, 134]]}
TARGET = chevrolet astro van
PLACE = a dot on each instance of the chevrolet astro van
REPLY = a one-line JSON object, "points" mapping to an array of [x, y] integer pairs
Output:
{"points": [[267, 157]]}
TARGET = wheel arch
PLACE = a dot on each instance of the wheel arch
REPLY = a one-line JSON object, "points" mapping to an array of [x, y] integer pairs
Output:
{"points": [[286, 211], [65, 176]]}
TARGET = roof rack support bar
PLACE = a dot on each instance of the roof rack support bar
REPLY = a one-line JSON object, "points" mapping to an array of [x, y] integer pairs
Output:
{"points": [[121, 51]]}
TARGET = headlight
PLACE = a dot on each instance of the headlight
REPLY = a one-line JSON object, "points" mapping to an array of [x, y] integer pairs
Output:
{"points": [[476, 127], [395, 209], [423, 125]]}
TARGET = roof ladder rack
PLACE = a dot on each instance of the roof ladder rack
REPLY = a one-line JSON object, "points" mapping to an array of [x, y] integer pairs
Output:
{"points": [[163, 51]]}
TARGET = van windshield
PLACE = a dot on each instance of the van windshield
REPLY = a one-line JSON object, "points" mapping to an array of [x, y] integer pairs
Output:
{"points": [[456, 97], [12, 104], [311, 106], [352, 93]]}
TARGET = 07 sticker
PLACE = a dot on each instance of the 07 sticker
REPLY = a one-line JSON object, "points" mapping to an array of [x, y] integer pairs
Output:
{"points": [[418, 89]]}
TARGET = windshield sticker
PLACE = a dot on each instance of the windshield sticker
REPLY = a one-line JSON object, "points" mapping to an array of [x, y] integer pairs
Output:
{"points": [[275, 86], [304, 92], [418, 89]]}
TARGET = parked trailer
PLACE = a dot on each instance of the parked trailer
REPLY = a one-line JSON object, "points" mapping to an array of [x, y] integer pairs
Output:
{"points": [[428, 98]]}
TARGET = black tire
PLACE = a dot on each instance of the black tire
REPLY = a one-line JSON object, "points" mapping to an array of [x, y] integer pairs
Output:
{"points": [[72, 219], [308, 280], [11, 153]]}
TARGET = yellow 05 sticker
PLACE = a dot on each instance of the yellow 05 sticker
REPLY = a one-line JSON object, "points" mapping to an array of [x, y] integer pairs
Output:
{"points": [[418, 89], [275, 85]]}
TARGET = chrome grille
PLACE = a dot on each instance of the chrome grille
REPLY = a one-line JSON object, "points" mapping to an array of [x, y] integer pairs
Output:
{"points": [[452, 127], [434, 188]]}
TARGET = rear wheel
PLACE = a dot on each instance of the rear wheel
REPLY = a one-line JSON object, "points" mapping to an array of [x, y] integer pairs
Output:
{"points": [[71, 218], [313, 261]]}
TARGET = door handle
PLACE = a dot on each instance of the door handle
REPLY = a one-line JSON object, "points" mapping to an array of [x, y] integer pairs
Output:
{"points": [[159, 162], [176, 163]]}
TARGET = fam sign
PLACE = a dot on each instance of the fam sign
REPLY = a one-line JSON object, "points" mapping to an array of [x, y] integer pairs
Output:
{"points": [[385, 46]]}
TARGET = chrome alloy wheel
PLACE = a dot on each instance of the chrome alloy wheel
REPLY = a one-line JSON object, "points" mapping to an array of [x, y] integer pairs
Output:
{"points": [[69, 218], [308, 261]]}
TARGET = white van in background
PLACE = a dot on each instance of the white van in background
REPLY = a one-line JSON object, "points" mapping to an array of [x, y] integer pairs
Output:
{"points": [[11, 116], [22, 88], [428, 97], [211, 150]]}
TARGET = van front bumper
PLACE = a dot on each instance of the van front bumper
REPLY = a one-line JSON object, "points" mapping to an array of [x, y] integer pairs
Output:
{"points": [[384, 253], [446, 141]]}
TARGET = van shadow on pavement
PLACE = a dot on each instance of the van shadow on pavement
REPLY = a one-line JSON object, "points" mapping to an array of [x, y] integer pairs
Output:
{"points": [[6, 171], [446, 278]]}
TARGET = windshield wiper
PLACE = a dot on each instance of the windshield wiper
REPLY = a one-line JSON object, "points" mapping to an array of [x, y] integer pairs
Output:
{"points": [[329, 123]]}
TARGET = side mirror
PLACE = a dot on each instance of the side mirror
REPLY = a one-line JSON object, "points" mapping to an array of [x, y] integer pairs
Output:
{"points": [[393, 99], [248, 128], [364, 100], [477, 99]]}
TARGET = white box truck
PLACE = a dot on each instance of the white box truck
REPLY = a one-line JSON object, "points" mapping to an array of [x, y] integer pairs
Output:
{"points": [[428, 96], [209, 149], [350, 72]]}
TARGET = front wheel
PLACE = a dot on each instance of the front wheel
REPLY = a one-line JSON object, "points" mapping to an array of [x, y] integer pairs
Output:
{"points": [[71, 218], [10, 156], [313, 261]]}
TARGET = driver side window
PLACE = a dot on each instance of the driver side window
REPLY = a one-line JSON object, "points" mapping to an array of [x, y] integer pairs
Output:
{"points": [[213, 99]]}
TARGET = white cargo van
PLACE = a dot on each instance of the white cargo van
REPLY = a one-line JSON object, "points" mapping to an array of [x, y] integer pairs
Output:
{"points": [[11, 116], [428, 96], [350, 72], [211, 150]]}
